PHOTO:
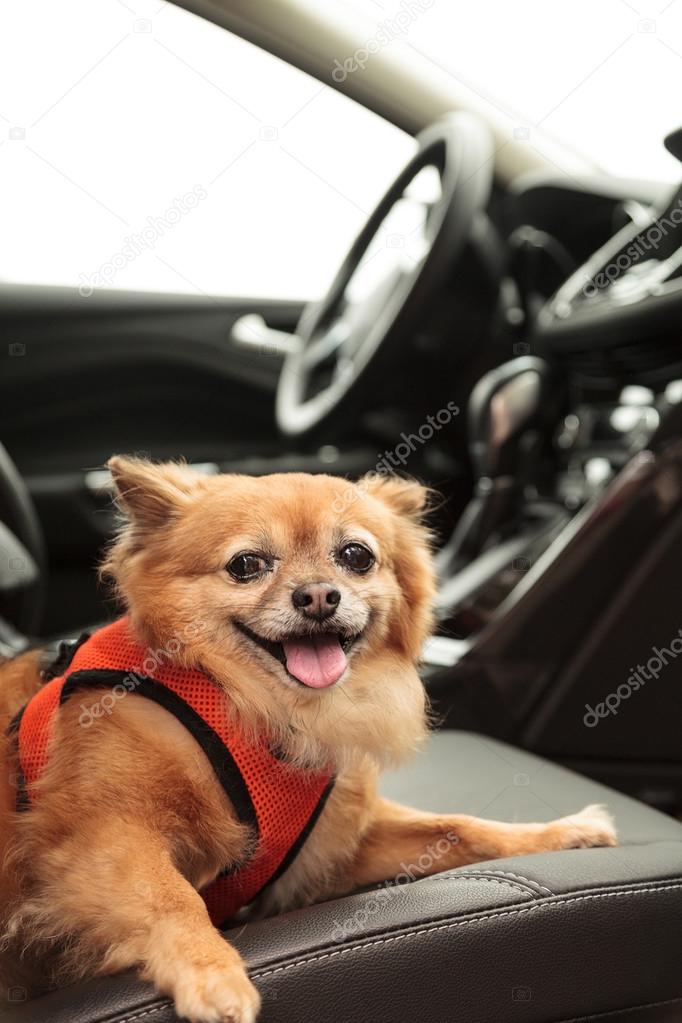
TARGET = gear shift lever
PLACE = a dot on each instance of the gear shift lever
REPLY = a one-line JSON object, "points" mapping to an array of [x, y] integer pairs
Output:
{"points": [[502, 407]]}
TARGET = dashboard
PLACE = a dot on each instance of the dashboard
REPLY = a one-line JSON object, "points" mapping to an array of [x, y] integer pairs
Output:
{"points": [[630, 289]]}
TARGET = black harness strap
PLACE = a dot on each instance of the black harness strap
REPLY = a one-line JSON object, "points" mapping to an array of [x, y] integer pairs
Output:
{"points": [[55, 664], [218, 755], [305, 832], [21, 801], [293, 851]]}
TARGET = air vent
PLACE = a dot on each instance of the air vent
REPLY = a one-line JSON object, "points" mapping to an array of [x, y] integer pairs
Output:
{"points": [[650, 362]]}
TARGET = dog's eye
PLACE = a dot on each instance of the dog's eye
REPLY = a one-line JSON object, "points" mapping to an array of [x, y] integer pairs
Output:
{"points": [[356, 557], [244, 567]]}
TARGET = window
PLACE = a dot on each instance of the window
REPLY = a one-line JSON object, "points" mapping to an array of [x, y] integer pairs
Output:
{"points": [[142, 147], [602, 77]]}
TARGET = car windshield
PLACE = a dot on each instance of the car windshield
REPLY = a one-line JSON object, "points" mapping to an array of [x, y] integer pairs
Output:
{"points": [[601, 78]]}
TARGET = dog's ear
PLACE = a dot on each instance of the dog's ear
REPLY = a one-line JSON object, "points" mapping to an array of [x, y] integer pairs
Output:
{"points": [[149, 495], [405, 497], [410, 555]]}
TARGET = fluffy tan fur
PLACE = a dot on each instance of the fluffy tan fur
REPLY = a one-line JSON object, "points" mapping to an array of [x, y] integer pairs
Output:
{"points": [[103, 872]]}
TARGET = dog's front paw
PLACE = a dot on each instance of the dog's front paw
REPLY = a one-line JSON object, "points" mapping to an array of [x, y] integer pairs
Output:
{"points": [[215, 993], [593, 826]]}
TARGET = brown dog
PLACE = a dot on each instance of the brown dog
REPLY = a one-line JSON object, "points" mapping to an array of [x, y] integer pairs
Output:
{"points": [[302, 602]]}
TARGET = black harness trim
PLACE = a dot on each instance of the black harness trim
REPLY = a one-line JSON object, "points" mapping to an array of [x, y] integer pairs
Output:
{"points": [[219, 756], [305, 832], [22, 801], [217, 753], [60, 662], [295, 848]]}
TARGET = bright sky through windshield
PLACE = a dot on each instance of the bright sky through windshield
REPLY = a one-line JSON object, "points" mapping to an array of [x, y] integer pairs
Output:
{"points": [[604, 77], [144, 148]]}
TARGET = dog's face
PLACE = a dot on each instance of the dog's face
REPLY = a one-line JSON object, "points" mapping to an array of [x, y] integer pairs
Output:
{"points": [[304, 597], [290, 585]]}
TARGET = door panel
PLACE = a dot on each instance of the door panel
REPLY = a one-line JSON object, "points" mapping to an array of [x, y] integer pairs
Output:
{"points": [[154, 374], [126, 371]]}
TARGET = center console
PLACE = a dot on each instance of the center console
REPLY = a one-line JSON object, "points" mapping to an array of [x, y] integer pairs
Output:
{"points": [[573, 587]]}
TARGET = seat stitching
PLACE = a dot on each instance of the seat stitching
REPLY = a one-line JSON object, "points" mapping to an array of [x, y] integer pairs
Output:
{"points": [[139, 1015], [458, 923], [490, 880], [574, 1019], [507, 873], [258, 975]]}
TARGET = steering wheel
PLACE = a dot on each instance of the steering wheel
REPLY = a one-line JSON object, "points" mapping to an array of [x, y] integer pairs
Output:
{"points": [[338, 338], [628, 292]]}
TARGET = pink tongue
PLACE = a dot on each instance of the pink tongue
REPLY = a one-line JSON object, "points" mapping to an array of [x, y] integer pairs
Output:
{"points": [[316, 661]]}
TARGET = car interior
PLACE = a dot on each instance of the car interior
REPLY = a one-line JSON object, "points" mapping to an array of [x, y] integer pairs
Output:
{"points": [[523, 360]]}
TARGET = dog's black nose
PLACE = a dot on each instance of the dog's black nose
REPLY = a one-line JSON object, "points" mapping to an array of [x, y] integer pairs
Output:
{"points": [[317, 600]]}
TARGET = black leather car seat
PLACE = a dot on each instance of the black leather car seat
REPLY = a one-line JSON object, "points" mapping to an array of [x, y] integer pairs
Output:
{"points": [[592, 934]]}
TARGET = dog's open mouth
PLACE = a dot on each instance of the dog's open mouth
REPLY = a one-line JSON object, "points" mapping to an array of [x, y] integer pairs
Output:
{"points": [[317, 660]]}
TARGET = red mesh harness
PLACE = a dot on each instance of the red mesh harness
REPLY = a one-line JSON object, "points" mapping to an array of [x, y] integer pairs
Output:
{"points": [[280, 803]]}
